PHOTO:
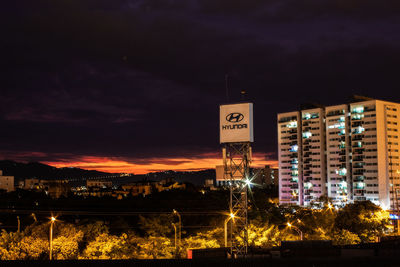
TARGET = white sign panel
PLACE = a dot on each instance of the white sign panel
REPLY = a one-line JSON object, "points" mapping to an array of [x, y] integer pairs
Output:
{"points": [[236, 123]]}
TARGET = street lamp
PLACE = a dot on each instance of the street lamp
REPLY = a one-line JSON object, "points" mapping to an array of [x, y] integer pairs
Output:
{"points": [[180, 224], [174, 225], [231, 216], [52, 221], [297, 230]]}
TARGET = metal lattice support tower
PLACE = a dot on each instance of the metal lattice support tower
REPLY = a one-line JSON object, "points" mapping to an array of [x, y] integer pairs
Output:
{"points": [[237, 158]]}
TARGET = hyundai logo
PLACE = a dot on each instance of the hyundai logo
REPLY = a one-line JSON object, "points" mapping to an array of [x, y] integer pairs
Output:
{"points": [[234, 117]]}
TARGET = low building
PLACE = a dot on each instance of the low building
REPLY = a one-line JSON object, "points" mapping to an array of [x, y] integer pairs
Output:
{"points": [[138, 188], [266, 176], [6, 182], [31, 184], [168, 184], [98, 183], [222, 178], [55, 188]]}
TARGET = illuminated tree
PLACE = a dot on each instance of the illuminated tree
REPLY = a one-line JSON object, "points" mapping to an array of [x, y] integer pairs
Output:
{"points": [[156, 225], [10, 246], [35, 248], [93, 230], [66, 242], [155, 247], [344, 237], [209, 239], [365, 219], [106, 247]]}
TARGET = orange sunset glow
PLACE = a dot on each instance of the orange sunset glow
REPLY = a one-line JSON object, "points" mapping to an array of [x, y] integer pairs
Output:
{"points": [[116, 165]]}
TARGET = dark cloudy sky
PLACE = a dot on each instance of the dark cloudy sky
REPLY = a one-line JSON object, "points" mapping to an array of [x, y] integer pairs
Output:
{"points": [[135, 84]]}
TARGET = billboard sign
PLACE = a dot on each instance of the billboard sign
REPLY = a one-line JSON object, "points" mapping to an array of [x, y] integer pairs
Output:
{"points": [[236, 123]]}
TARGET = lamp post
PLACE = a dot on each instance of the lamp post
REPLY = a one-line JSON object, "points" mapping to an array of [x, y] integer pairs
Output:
{"points": [[52, 220], [34, 216], [297, 230], [180, 224], [19, 224], [231, 216], [174, 225]]}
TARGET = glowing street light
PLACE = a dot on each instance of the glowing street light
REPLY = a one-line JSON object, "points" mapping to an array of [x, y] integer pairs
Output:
{"points": [[180, 224], [52, 221], [297, 230], [174, 225], [19, 224], [231, 217]]}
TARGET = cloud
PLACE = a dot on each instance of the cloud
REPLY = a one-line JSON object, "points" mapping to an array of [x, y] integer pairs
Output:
{"points": [[132, 165], [141, 79]]}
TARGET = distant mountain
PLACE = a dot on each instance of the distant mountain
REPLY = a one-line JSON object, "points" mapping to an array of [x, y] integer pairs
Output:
{"points": [[23, 171]]}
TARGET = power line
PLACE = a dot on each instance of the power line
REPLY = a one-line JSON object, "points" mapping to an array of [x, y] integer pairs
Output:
{"points": [[105, 213]]}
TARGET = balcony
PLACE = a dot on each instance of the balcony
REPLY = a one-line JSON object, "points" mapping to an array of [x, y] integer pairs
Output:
{"points": [[294, 186], [358, 172], [357, 144], [359, 178], [357, 110], [356, 117], [359, 186], [307, 180], [369, 109], [358, 198], [358, 151], [358, 130], [308, 191], [358, 165], [357, 137], [335, 113], [356, 124], [358, 158]]}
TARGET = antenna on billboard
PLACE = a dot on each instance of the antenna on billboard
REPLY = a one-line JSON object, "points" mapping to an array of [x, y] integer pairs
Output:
{"points": [[226, 87], [243, 93]]}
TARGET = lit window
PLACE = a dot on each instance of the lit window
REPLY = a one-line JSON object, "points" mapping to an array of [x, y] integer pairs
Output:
{"points": [[306, 116], [294, 148], [292, 124], [342, 171], [307, 134], [359, 109]]}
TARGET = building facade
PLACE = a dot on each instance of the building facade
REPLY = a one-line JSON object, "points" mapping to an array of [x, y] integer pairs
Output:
{"points": [[347, 152], [6, 182]]}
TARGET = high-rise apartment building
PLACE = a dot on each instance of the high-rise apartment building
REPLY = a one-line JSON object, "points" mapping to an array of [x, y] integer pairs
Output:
{"points": [[346, 152]]}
